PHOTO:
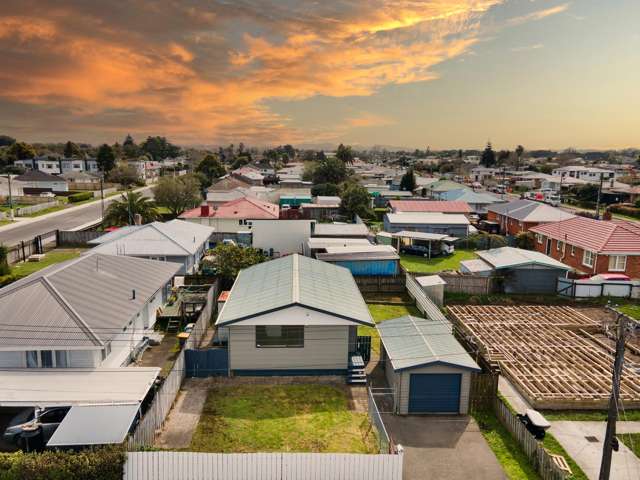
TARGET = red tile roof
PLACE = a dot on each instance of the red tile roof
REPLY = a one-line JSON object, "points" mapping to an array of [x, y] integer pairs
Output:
{"points": [[616, 236], [246, 208], [430, 206]]}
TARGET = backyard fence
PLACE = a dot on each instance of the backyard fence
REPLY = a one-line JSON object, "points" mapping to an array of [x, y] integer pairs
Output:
{"points": [[380, 283], [39, 244], [471, 284], [75, 238], [570, 287], [423, 302], [199, 330], [384, 440], [541, 460], [483, 391], [152, 421], [261, 466]]}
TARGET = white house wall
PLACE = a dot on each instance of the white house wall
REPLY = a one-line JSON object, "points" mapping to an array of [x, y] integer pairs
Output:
{"points": [[404, 382], [283, 236]]}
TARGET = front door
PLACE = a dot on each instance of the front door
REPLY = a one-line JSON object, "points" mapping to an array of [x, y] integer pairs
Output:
{"points": [[548, 249]]}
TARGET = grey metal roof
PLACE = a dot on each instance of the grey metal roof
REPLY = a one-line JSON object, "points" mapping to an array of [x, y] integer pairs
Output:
{"points": [[359, 252], [340, 229], [508, 257], [429, 218], [420, 235], [413, 342], [94, 425], [82, 302], [530, 211], [295, 280], [173, 238]]}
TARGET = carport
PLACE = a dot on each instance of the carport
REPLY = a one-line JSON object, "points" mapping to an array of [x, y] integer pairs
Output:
{"points": [[428, 370]]}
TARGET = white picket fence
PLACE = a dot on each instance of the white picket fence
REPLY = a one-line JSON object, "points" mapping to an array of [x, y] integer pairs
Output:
{"points": [[146, 431], [262, 466]]}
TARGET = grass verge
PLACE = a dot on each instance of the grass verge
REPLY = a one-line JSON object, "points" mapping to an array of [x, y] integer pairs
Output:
{"points": [[586, 415], [23, 269], [416, 264], [632, 441]]}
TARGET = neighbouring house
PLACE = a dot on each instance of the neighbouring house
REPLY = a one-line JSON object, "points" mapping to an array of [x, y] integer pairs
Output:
{"points": [[92, 311], [36, 181], [319, 245], [481, 174], [228, 183], [451, 224], [360, 259], [233, 216], [478, 202], [293, 316], [592, 246], [436, 190], [521, 215], [294, 200], [280, 237], [340, 230], [382, 198], [521, 271], [47, 164], [249, 175], [16, 187], [590, 174], [430, 206], [81, 180], [175, 241], [425, 366], [322, 208]]}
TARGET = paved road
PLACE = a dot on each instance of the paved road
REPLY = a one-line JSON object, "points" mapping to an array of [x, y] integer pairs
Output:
{"points": [[62, 221]]}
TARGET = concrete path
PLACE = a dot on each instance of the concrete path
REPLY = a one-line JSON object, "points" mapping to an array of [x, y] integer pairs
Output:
{"points": [[509, 392], [444, 447], [583, 442]]}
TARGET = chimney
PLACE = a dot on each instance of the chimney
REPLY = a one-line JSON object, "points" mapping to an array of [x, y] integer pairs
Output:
{"points": [[204, 210], [137, 219]]}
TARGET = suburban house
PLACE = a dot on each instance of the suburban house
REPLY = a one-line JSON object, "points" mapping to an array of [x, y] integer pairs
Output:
{"points": [[430, 206], [81, 180], [521, 215], [36, 181], [478, 202], [233, 216], [592, 246], [249, 175], [16, 187], [361, 259], [480, 174], [589, 174], [437, 190], [57, 165], [92, 311], [340, 230], [227, 183], [293, 316], [175, 241], [451, 224], [428, 370], [322, 208], [522, 271]]}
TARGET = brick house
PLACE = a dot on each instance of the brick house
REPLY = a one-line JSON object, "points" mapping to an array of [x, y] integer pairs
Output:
{"points": [[592, 246], [521, 215]]}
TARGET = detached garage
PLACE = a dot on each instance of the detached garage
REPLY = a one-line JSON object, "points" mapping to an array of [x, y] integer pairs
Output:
{"points": [[428, 370]]}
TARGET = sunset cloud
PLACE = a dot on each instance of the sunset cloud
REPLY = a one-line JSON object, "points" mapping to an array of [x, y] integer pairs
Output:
{"points": [[203, 72]]}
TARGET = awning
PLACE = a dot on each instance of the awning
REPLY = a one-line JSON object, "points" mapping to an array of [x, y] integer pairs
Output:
{"points": [[95, 425], [46, 387]]}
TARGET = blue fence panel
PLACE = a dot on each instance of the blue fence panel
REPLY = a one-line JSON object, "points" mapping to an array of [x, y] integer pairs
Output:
{"points": [[207, 363]]}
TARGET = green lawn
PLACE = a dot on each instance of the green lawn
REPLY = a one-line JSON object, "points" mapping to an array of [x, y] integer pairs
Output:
{"points": [[381, 312], [632, 441], [55, 256], [633, 310], [416, 264], [553, 446], [5, 221], [587, 415], [281, 418]]}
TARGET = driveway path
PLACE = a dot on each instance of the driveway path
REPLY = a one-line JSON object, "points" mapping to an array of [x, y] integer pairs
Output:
{"points": [[443, 447]]}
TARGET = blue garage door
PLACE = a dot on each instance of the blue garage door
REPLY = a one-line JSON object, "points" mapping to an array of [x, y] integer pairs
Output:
{"points": [[434, 393]]}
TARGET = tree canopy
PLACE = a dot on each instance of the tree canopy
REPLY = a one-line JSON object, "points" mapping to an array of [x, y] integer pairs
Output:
{"points": [[325, 189], [345, 154], [178, 193], [408, 181], [355, 201], [124, 174], [211, 168], [129, 147], [71, 150], [21, 151], [330, 170], [106, 158], [6, 141], [229, 259], [488, 158], [159, 148], [123, 211]]}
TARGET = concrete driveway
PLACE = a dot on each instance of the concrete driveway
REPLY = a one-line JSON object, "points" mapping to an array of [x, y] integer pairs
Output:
{"points": [[443, 447]]}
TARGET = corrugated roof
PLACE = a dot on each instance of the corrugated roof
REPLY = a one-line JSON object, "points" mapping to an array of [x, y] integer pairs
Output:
{"points": [[444, 186], [38, 176], [507, 257], [414, 342], [476, 265], [428, 218], [530, 211], [243, 208], [419, 235], [340, 229], [359, 252], [615, 236], [442, 206], [470, 196], [295, 280], [82, 302], [316, 243]]}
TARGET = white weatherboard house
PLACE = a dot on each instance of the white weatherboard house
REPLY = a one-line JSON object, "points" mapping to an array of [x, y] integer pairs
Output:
{"points": [[293, 316], [428, 370], [176, 241], [89, 312]]}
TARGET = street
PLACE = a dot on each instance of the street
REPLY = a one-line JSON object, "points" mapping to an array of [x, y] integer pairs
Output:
{"points": [[62, 220]]}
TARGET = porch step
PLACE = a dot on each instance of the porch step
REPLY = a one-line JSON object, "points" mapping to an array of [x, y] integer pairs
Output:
{"points": [[173, 326]]}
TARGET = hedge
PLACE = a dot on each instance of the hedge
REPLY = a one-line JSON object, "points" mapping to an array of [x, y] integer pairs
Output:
{"points": [[97, 464], [627, 210], [80, 197]]}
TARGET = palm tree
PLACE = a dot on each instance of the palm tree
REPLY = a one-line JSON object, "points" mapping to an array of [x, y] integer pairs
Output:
{"points": [[519, 152], [123, 211]]}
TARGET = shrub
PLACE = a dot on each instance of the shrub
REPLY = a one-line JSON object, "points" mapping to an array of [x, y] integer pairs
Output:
{"points": [[80, 197], [526, 240], [95, 464], [627, 210], [4, 261]]}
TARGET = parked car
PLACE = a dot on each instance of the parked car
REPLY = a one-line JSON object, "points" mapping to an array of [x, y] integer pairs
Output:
{"points": [[423, 251], [32, 428]]}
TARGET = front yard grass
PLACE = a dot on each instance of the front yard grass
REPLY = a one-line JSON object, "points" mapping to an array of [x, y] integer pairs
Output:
{"points": [[54, 256], [381, 312], [632, 441], [416, 264], [281, 418], [633, 310]]}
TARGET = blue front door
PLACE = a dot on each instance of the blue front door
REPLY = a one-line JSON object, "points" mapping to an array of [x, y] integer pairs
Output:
{"points": [[434, 393]]}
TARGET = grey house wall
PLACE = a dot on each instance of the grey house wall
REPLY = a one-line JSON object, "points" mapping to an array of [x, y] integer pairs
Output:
{"points": [[531, 279], [325, 349]]}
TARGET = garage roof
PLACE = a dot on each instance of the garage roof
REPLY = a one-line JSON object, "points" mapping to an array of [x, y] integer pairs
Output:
{"points": [[94, 425], [72, 386], [412, 342], [510, 257]]}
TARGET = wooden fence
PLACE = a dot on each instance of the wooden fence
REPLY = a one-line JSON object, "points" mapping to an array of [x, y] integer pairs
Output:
{"points": [[152, 421], [39, 244], [204, 319], [541, 460], [380, 283], [75, 238], [471, 284], [483, 391], [261, 466]]}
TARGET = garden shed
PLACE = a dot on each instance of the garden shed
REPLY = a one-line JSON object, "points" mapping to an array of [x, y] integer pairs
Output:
{"points": [[428, 370]]}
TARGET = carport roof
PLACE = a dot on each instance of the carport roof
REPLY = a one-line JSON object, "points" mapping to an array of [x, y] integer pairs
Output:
{"points": [[412, 342], [509, 257]]}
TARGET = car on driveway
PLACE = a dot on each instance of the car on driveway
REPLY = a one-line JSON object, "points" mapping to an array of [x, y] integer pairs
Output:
{"points": [[34, 426]]}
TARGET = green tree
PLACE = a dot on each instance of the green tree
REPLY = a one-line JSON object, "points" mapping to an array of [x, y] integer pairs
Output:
{"points": [[71, 150], [178, 193], [408, 181], [239, 162], [488, 158], [4, 261], [325, 189], [211, 168], [125, 175], [229, 259], [330, 170], [526, 240], [345, 154], [6, 141], [355, 201], [129, 147], [519, 153], [124, 210], [106, 158], [21, 151], [159, 148]]}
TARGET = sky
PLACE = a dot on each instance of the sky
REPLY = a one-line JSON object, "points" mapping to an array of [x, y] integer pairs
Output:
{"points": [[404, 73]]}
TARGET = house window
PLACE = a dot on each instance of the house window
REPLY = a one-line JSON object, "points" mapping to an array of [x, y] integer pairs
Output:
{"points": [[280, 336], [573, 250], [46, 358], [558, 245], [539, 238], [587, 258], [62, 360], [32, 359], [617, 263]]}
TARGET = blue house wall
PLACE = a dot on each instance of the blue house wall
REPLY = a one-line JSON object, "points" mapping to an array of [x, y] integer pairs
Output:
{"points": [[370, 267]]}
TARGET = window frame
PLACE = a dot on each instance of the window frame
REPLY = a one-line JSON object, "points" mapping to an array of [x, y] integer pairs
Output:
{"points": [[540, 238], [261, 331], [573, 250], [616, 258], [584, 258]]}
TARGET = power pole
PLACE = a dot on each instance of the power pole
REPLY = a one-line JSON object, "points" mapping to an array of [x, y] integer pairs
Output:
{"points": [[102, 197], [10, 198], [598, 201], [605, 466]]}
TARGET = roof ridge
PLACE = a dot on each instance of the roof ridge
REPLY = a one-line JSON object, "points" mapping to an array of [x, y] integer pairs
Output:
{"points": [[422, 335], [295, 286], [154, 225]]}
